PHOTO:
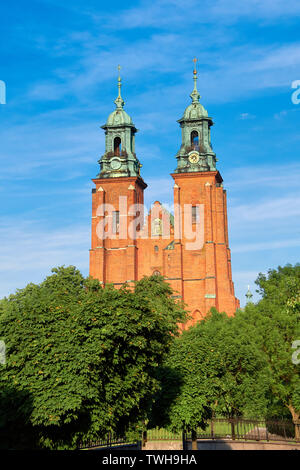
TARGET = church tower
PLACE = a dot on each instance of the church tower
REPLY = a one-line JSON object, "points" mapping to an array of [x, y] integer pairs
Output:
{"points": [[119, 159], [206, 266], [195, 153], [113, 257]]}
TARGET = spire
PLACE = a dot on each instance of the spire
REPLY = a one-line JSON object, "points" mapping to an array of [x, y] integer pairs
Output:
{"points": [[249, 295], [195, 94], [119, 158], [119, 101], [195, 125]]}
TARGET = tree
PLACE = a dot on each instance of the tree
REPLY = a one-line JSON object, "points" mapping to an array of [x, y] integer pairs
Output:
{"points": [[219, 371], [237, 366], [15, 410], [193, 394], [84, 354], [243, 378], [276, 319]]}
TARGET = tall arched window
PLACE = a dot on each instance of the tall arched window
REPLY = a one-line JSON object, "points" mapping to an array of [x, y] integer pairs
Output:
{"points": [[195, 139], [197, 315], [117, 146]]}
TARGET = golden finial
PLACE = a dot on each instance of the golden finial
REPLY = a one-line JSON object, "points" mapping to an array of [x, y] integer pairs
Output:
{"points": [[119, 101], [195, 95], [119, 78], [195, 61]]}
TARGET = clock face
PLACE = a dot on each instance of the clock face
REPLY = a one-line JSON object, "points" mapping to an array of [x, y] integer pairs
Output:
{"points": [[115, 164], [194, 158]]}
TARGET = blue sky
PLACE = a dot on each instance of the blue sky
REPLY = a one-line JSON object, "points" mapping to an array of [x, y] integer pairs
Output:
{"points": [[59, 62]]}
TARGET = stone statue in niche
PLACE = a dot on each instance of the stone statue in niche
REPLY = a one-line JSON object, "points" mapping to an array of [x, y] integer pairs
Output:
{"points": [[156, 227]]}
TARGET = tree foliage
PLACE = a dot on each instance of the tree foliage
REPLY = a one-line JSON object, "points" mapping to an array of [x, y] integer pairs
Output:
{"points": [[83, 360], [218, 372], [84, 357], [240, 365], [276, 319]]}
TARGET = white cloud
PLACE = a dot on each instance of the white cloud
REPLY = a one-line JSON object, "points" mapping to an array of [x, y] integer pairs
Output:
{"points": [[47, 91], [263, 176], [244, 116], [268, 245], [28, 251], [255, 9], [280, 115], [44, 146], [228, 69], [276, 208], [166, 14]]}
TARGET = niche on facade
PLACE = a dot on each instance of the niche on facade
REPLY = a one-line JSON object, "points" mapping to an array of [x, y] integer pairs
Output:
{"points": [[156, 228]]}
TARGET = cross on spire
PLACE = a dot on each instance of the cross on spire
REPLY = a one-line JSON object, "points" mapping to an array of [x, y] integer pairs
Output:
{"points": [[119, 101], [195, 62], [195, 94]]}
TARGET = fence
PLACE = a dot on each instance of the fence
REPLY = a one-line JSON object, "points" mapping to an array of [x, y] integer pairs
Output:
{"points": [[160, 434], [248, 429], [233, 429], [111, 442]]}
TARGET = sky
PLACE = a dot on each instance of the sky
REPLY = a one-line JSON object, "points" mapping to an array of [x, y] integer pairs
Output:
{"points": [[59, 63]]}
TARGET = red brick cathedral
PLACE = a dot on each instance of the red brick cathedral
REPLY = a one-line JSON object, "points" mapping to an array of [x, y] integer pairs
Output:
{"points": [[189, 247]]}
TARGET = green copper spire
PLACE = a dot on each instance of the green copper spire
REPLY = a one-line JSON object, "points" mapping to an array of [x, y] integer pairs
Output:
{"points": [[195, 153], [249, 295], [119, 158], [119, 100], [195, 95]]}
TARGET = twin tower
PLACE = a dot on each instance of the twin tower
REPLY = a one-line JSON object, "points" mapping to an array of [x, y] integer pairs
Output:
{"points": [[189, 247]]}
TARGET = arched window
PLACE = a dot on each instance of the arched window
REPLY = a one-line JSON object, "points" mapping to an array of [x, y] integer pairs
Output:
{"points": [[195, 139], [116, 221], [195, 214], [156, 273], [197, 315], [117, 146], [156, 248]]}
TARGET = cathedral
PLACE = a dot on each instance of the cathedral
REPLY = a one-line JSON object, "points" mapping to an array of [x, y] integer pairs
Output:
{"points": [[189, 247]]}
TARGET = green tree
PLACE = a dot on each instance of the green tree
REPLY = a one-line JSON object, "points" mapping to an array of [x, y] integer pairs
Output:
{"points": [[276, 320], [240, 365], [84, 355], [243, 378], [218, 369], [192, 395]]}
